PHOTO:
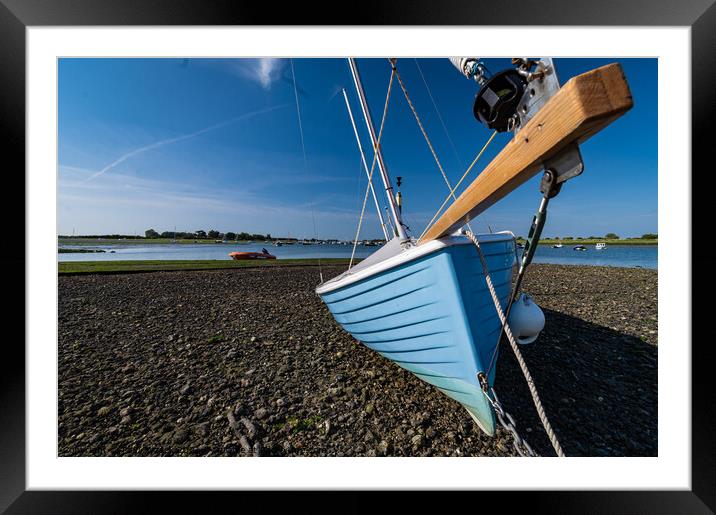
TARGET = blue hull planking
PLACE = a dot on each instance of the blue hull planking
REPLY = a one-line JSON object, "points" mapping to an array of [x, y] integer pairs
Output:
{"points": [[434, 317]]}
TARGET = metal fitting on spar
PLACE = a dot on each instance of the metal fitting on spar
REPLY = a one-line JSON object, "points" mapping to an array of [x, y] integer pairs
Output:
{"points": [[472, 68], [526, 319]]}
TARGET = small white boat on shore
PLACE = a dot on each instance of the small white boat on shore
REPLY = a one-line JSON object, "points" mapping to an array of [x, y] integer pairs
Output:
{"points": [[600, 246]]}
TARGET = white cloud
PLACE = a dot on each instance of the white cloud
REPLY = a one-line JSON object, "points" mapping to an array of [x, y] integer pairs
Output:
{"points": [[268, 71], [264, 71]]}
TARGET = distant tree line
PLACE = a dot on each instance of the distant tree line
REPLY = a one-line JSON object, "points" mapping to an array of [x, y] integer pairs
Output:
{"points": [[608, 236], [233, 236], [104, 236], [206, 235]]}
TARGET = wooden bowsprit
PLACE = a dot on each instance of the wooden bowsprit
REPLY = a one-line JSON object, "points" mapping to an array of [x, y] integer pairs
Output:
{"points": [[585, 105]]}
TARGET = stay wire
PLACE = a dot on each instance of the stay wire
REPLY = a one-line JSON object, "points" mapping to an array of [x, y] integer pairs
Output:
{"points": [[316, 235], [452, 191], [298, 110], [372, 166], [437, 111]]}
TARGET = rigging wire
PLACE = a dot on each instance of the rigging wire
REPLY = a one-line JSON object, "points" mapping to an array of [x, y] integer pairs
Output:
{"points": [[315, 235], [452, 191], [435, 156], [358, 188], [298, 110], [305, 160], [437, 111], [372, 166], [365, 165], [422, 129]]}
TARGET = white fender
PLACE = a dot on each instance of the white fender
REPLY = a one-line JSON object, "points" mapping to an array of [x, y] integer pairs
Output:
{"points": [[526, 319]]}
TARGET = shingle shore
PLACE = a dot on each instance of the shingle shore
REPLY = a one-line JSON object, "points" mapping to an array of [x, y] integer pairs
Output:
{"points": [[250, 362]]}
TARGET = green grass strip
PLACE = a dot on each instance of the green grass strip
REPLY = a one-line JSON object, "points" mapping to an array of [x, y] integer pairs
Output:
{"points": [[119, 267]]}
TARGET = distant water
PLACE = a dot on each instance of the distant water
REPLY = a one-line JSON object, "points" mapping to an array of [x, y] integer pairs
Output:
{"points": [[632, 256], [629, 256], [181, 251]]}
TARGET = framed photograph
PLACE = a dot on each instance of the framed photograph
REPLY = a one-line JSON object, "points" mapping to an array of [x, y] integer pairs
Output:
{"points": [[268, 250]]}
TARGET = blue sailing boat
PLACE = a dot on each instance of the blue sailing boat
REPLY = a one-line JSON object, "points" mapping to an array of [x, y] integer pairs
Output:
{"points": [[424, 303], [428, 309]]}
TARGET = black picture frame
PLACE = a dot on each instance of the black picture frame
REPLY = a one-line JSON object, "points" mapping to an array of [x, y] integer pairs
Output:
{"points": [[17, 15]]}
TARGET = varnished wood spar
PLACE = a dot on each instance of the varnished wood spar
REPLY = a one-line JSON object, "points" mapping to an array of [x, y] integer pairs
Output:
{"points": [[582, 107]]}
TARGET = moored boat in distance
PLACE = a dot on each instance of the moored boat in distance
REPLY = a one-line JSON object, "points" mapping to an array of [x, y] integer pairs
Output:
{"points": [[600, 246], [557, 246], [240, 256], [580, 248]]}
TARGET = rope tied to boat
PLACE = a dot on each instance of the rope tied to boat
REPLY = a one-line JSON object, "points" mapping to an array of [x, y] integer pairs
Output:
{"points": [[518, 355]]}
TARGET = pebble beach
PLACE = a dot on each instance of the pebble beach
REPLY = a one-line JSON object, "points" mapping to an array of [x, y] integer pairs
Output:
{"points": [[249, 362]]}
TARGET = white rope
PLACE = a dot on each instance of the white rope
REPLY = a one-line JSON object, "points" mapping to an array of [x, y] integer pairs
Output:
{"points": [[372, 166], [525, 371]]}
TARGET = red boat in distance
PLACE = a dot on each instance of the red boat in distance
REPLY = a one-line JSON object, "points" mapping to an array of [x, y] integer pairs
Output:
{"points": [[264, 254]]}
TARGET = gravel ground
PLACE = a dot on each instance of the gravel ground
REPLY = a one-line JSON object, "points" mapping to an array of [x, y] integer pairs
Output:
{"points": [[250, 362]]}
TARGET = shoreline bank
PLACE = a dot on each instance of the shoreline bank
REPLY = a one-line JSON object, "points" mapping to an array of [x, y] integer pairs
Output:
{"points": [[69, 268], [142, 266]]}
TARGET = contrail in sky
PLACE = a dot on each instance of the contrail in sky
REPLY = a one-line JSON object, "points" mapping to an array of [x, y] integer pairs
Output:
{"points": [[183, 137]]}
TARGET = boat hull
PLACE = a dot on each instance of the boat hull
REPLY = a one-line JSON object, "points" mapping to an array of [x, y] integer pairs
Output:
{"points": [[240, 256], [433, 316]]}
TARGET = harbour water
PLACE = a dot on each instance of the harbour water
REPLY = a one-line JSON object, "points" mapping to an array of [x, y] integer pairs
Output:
{"points": [[632, 256], [628, 256]]}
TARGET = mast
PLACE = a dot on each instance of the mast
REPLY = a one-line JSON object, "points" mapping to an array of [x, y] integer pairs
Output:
{"points": [[365, 166], [399, 229]]}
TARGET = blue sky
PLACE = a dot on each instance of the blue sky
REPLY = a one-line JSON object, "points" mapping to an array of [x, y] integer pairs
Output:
{"points": [[215, 144]]}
